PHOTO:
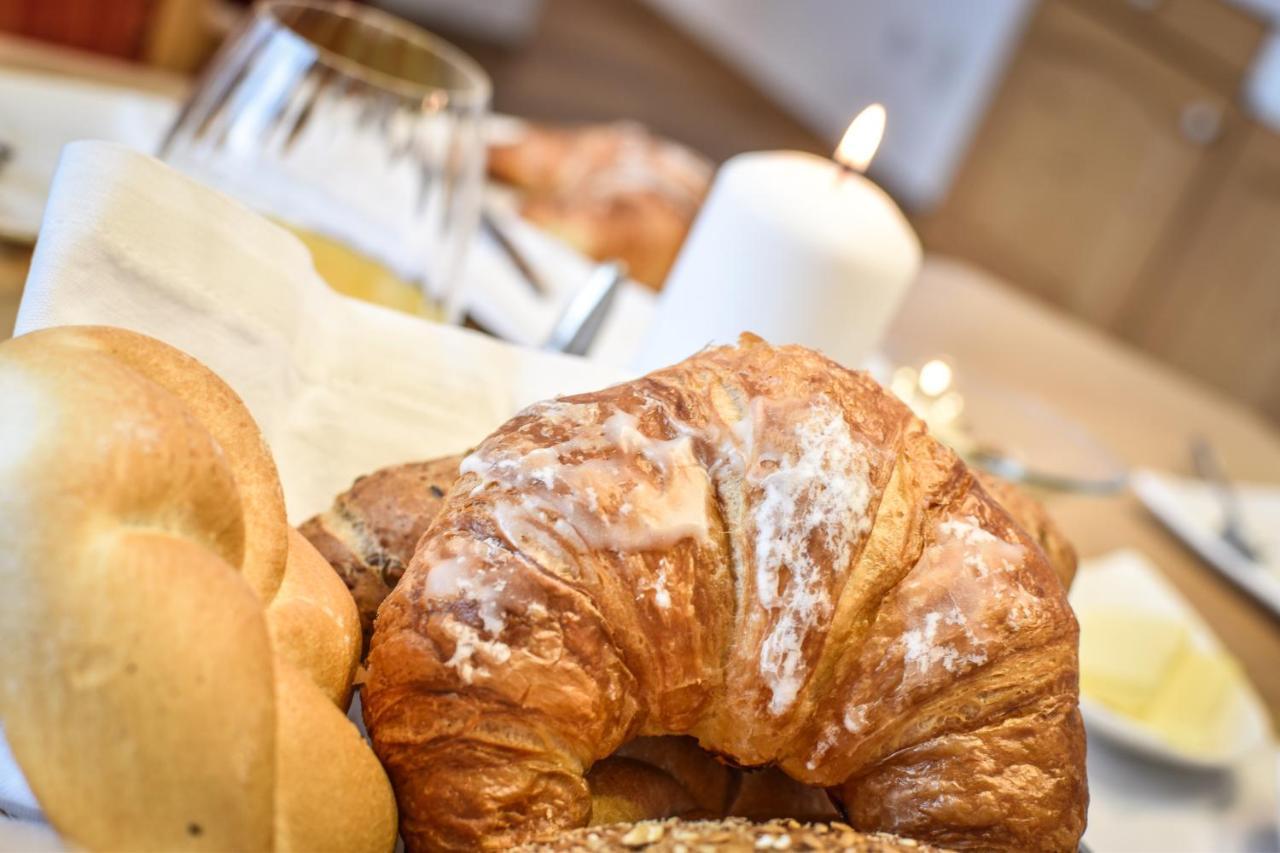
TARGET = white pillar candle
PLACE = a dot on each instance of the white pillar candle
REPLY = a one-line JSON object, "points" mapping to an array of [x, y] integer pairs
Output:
{"points": [[795, 248]]}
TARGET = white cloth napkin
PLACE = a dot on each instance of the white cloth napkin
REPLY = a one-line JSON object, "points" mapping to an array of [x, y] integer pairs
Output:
{"points": [[338, 387], [1192, 511]]}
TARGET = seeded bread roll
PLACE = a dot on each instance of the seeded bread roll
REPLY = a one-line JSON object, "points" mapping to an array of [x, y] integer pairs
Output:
{"points": [[733, 835]]}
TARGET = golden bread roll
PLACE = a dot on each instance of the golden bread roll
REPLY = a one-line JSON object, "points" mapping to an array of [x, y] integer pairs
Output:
{"points": [[709, 783], [733, 836], [613, 191], [756, 548], [177, 660], [624, 789]]}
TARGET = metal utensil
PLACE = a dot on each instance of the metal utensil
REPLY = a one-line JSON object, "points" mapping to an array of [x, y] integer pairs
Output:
{"points": [[581, 319], [1210, 470], [531, 277]]}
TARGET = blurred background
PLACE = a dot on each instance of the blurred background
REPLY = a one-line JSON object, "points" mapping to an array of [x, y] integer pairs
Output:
{"points": [[1117, 159], [1095, 185]]}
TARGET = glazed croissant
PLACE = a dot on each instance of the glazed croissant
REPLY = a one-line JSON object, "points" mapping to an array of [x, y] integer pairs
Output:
{"points": [[370, 532], [756, 548]]}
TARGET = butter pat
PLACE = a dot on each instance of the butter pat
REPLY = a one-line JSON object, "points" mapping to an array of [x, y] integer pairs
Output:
{"points": [[1146, 667], [1126, 656], [1190, 709]]}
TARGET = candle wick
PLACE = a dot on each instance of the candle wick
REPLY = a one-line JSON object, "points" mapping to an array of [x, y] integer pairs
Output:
{"points": [[843, 172]]}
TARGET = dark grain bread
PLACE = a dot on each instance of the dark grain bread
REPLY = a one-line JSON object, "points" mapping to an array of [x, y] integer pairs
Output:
{"points": [[370, 532]]}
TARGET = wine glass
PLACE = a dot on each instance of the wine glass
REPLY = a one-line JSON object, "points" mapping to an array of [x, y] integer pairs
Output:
{"points": [[359, 132]]}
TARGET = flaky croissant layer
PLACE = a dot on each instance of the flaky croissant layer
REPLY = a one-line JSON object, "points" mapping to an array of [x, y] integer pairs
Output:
{"points": [[757, 548]]}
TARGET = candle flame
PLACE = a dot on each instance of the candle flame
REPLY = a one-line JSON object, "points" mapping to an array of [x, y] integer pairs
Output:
{"points": [[861, 140], [935, 377]]}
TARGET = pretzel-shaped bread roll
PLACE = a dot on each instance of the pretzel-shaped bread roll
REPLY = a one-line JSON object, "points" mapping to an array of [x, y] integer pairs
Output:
{"points": [[177, 659]]}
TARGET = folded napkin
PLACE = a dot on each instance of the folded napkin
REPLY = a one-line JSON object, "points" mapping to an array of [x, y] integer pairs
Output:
{"points": [[1192, 511], [339, 387]]}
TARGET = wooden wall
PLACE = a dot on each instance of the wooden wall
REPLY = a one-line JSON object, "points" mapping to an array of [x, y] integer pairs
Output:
{"points": [[610, 59], [1117, 176]]}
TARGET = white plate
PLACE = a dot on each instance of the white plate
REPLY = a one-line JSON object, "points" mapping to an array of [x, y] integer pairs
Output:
{"points": [[40, 113], [1126, 578], [1191, 511], [1140, 805]]}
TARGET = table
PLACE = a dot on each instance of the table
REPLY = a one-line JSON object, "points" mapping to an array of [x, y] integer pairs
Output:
{"points": [[14, 261], [1142, 410], [29, 55]]}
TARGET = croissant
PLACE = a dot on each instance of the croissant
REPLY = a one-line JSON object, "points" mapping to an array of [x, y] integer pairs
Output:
{"points": [[177, 660], [1031, 516], [613, 191], [370, 533], [756, 548]]}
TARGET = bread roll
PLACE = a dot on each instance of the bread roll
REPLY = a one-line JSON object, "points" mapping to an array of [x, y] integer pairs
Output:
{"points": [[734, 835], [177, 661]]}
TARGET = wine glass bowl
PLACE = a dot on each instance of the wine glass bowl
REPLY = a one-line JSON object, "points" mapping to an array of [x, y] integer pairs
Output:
{"points": [[360, 132]]}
